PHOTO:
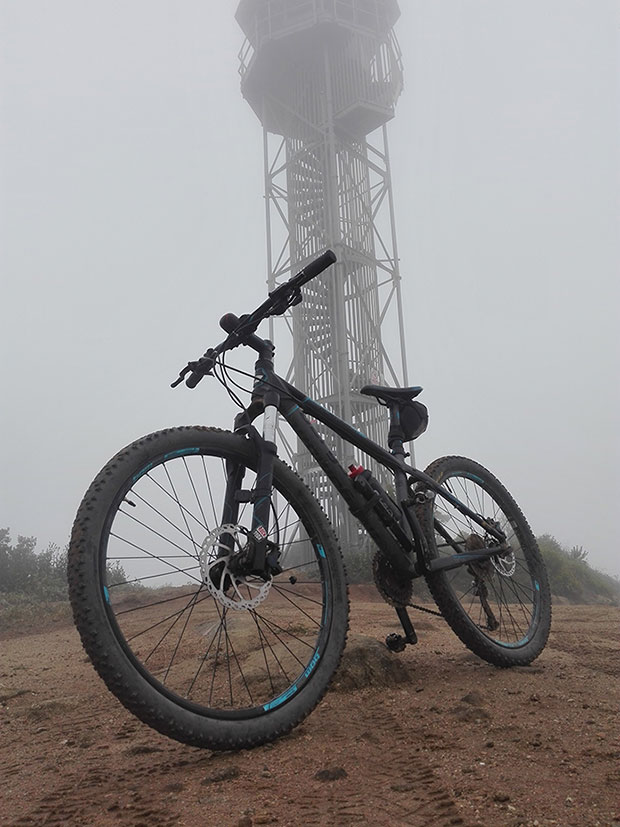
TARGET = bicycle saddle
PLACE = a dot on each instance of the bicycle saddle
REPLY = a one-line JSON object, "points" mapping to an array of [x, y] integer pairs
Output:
{"points": [[391, 394]]}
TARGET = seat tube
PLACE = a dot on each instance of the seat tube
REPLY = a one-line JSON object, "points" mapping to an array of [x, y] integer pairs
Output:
{"points": [[397, 447]]}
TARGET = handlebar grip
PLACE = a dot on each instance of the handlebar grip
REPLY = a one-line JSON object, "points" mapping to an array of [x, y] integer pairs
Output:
{"points": [[314, 268], [192, 380]]}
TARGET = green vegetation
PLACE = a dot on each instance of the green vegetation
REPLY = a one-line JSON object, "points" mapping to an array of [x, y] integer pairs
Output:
{"points": [[571, 575], [40, 576], [37, 576], [33, 585], [31, 577]]}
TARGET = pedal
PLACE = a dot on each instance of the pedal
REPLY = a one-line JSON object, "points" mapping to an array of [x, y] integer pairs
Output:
{"points": [[395, 643]]}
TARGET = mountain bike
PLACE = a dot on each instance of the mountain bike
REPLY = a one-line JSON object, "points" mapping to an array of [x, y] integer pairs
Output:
{"points": [[208, 586]]}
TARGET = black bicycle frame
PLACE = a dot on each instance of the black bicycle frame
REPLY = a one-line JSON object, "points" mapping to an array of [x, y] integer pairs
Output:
{"points": [[403, 545]]}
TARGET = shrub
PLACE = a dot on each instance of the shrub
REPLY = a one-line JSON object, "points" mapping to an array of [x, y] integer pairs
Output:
{"points": [[571, 576], [38, 576], [22, 570]]}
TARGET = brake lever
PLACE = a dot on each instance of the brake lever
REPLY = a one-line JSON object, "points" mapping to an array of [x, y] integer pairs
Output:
{"points": [[282, 303], [182, 376], [202, 367], [282, 298]]}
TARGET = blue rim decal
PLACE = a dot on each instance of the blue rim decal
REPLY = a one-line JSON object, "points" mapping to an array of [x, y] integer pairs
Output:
{"points": [[141, 473], [280, 700], [293, 689], [180, 453], [106, 594], [472, 477], [310, 667], [312, 664]]}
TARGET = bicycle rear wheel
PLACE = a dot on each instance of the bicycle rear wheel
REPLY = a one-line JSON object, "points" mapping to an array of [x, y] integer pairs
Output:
{"points": [[500, 607], [207, 658]]}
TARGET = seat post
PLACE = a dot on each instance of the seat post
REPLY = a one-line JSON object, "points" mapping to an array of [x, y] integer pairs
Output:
{"points": [[396, 435]]}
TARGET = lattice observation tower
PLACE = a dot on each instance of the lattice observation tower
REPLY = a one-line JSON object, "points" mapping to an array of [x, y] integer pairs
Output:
{"points": [[323, 77]]}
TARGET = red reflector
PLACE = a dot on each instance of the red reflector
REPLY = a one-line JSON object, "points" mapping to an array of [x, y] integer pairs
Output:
{"points": [[355, 470]]}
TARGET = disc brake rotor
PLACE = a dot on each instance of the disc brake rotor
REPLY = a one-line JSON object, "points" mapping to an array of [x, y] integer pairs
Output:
{"points": [[504, 562], [233, 591]]}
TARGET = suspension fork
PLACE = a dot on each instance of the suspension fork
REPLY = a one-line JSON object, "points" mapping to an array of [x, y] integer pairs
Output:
{"points": [[266, 450], [261, 496]]}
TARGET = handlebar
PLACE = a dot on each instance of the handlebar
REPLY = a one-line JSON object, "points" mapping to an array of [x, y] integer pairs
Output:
{"points": [[241, 330], [314, 268]]}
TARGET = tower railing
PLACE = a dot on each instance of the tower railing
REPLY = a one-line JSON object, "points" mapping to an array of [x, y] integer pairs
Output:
{"points": [[323, 77]]}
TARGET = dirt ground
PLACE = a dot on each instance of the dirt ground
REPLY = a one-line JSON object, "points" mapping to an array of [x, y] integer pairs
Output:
{"points": [[452, 741]]}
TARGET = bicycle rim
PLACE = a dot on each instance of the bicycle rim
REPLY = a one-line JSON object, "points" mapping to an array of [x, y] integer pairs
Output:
{"points": [[501, 596], [189, 639]]}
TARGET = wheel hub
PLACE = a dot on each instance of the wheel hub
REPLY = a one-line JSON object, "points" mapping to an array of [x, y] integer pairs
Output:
{"points": [[504, 562], [230, 589]]}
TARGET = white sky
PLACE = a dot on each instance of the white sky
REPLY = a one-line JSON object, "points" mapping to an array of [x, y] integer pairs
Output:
{"points": [[132, 219]]}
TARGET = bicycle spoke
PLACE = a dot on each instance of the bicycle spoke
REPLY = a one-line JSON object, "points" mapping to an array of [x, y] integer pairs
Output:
{"points": [[152, 531], [189, 639], [511, 594], [150, 605], [202, 663], [191, 482], [297, 594], [206, 476], [281, 590], [176, 500], [159, 513], [176, 648], [276, 635], [155, 576], [263, 640], [164, 620]]}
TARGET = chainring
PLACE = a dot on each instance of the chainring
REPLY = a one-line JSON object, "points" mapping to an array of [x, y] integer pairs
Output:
{"points": [[392, 587]]}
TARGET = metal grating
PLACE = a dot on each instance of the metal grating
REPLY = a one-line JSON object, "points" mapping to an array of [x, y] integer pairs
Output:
{"points": [[323, 76]]}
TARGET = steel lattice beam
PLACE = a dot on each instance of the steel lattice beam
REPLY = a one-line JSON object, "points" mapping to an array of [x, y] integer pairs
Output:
{"points": [[323, 76]]}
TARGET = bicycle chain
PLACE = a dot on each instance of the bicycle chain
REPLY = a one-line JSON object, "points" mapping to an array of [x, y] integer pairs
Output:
{"points": [[424, 609]]}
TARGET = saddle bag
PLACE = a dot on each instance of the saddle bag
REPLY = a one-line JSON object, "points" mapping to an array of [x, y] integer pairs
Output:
{"points": [[413, 419]]}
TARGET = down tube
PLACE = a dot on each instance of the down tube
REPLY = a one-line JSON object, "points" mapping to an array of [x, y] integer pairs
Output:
{"points": [[399, 556], [382, 456]]}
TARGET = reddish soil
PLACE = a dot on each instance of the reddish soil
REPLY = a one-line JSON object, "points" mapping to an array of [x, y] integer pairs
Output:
{"points": [[454, 741]]}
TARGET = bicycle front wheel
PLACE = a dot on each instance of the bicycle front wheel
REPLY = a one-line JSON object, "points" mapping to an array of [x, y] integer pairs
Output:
{"points": [[499, 607], [206, 657]]}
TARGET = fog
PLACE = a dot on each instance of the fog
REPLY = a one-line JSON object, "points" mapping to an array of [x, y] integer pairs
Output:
{"points": [[133, 218]]}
